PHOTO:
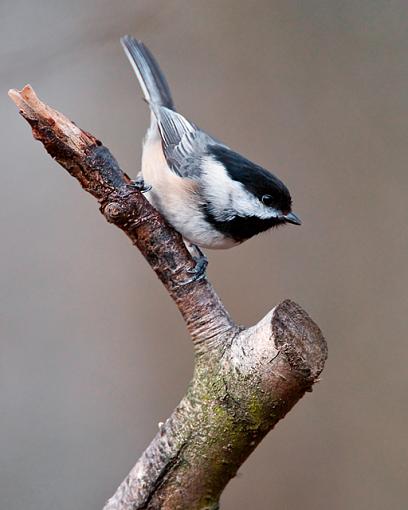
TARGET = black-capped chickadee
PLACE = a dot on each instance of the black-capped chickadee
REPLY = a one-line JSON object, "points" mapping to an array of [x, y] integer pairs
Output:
{"points": [[212, 195]]}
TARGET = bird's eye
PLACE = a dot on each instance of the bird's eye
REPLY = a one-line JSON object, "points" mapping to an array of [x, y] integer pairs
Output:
{"points": [[267, 200]]}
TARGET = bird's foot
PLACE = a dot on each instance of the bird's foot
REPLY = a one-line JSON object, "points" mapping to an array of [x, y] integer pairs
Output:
{"points": [[198, 272], [141, 185]]}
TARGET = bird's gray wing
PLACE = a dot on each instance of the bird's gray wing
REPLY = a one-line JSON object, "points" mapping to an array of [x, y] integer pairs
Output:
{"points": [[183, 142]]}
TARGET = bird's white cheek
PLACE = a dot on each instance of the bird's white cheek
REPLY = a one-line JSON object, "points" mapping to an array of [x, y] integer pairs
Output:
{"points": [[229, 198]]}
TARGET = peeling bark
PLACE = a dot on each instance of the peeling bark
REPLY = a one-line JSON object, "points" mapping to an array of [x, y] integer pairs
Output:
{"points": [[245, 380]]}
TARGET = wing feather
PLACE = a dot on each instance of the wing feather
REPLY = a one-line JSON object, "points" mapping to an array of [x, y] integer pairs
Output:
{"points": [[181, 141]]}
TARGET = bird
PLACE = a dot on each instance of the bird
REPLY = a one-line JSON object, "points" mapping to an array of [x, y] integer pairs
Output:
{"points": [[214, 197]]}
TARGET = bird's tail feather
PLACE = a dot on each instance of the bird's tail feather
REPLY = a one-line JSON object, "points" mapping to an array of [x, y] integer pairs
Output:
{"points": [[152, 81]]}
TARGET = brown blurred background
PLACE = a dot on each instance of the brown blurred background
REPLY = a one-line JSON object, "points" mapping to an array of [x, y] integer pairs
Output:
{"points": [[94, 353]]}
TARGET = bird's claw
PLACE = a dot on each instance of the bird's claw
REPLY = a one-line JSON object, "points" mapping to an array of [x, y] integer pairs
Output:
{"points": [[198, 272], [141, 185]]}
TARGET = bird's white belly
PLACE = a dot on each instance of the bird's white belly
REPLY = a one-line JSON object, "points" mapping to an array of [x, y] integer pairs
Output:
{"points": [[177, 198]]}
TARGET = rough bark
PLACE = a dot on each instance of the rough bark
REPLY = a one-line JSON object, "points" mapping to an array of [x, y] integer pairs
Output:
{"points": [[245, 380]]}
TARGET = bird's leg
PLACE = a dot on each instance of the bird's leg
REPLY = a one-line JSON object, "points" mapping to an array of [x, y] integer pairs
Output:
{"points": [[140, 184], [198, 272]]}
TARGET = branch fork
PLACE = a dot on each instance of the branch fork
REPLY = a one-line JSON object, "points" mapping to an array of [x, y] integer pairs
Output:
{"points": [[245, 379]]}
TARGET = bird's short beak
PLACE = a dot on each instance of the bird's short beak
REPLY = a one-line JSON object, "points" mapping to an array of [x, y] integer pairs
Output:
{"points": [[292, 218]]}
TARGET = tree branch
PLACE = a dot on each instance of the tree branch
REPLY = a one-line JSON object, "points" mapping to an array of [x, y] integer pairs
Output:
{"points": [[245, 380]]}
